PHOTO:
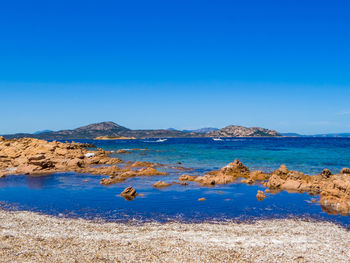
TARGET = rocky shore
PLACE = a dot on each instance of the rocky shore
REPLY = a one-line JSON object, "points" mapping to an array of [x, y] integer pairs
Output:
{"points": [[334, 190], [30, 156], [34, 157], [29, 237]]}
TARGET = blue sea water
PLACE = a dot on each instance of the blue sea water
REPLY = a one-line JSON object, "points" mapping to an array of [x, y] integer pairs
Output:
{"points": [[67, 194]]}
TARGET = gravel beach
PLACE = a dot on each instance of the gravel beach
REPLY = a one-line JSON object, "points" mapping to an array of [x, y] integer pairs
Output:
{"points": [[31, 237]]}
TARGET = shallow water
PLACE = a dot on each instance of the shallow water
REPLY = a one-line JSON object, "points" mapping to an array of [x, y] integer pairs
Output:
{"points": [[67, 194]]}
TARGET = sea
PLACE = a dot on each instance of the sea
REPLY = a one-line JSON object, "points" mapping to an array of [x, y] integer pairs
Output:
{"points": [[76, 195]]}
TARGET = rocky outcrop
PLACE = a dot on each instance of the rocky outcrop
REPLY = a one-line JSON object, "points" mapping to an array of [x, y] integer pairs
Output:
{"points": [[334, 190], [260, 195], [33, 156], [240, 131], [129, 193], [161, 184]]}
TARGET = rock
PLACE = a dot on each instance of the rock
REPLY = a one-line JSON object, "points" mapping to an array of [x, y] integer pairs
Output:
{"points": [[260, 195], [202, 199], [275, 181], [258, 176], [283, 170], [122, 151], [326, 173], [112, 180], [129, 193], [248, 181], [290, 185], [76, 162], [160, 184], [186, 177], [234, 168], [143, 164], [28, 169], [149, 172], [345, 171]]}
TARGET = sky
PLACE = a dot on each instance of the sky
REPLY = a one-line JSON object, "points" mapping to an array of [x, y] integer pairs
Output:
{"points": [[283, 65]]}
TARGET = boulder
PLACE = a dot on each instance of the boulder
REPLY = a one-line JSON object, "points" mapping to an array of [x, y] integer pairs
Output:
{"points": [[149, 171], [290, 185], [234, 168], [112, 180], [326, 173], [283, 170], [275, 181], [345, 171], [143, 164], [161, 184], [122, 151], [129, 193], [186, 177], [260, 195]]}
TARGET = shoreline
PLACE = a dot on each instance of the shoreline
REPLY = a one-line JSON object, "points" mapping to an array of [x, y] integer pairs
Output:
{"points": [[32, 237]]}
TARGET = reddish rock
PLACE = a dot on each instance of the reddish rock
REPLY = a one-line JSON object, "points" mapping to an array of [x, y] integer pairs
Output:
{"points": [[260, 195], [161, 184], [112, 180], [122, 151], [149, 171], [326, 173], [290, 185], [129, 193], [345, 171], [234, 168], [275, 181], [143, 164], [186, 177]]}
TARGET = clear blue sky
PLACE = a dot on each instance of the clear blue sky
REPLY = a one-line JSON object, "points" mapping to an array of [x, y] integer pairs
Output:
{"points": [[278, 64]]}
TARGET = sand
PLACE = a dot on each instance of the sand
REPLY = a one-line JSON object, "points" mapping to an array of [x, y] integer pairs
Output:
{"points": [[30, 237]]}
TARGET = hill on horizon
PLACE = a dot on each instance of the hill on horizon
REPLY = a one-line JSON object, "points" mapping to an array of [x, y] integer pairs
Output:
{"points": [[112, 129]]}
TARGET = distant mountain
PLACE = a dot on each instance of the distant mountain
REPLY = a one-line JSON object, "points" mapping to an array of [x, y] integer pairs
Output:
{"points": [[112, 129], [39, 132], [240, 131], [86, 132]]}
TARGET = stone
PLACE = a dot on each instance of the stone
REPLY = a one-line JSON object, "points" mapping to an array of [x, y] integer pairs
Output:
{"points": [[122, 151], [186, 177], [326, 173], [149, 172], [275, 181], [129, 193], [345, 171], [161, 184], [236, 167], [260, 195], [290, 185]]}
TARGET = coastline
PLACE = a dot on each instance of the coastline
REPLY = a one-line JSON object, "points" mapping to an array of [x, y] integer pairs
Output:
{"points": [[31, 237]]}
